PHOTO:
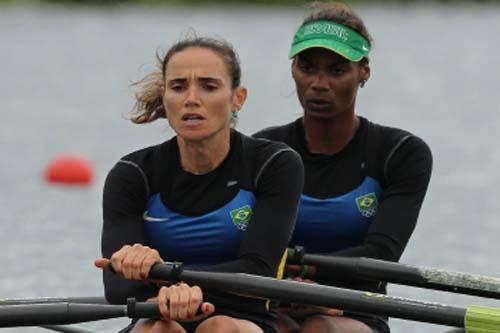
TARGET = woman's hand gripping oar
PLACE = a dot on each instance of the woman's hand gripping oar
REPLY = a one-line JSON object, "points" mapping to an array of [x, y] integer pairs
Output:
{"points": [[178, 302]]}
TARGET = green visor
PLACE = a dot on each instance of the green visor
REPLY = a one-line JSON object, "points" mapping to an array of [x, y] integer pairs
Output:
{"points": [[332, 36]]}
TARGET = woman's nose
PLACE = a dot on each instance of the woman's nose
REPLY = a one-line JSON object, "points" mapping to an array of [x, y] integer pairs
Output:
{"points": [[319, 82], [192, 97]]}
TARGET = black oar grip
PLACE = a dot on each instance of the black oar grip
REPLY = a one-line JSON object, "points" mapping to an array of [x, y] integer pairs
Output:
{"points": [[159, 271], [142, 310], [147, 310], [295, 256], [170, 271]]}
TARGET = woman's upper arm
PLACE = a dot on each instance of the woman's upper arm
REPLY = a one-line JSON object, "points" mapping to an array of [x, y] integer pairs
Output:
{"points": [[407, 176], [279, 186]]}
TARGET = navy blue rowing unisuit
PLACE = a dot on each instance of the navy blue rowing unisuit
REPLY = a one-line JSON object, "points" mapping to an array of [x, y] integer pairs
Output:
{"points": [[362, 201], [236, 218]]}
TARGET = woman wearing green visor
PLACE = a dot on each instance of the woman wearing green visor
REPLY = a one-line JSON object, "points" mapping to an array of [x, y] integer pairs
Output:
{"points": [[364, 182]]}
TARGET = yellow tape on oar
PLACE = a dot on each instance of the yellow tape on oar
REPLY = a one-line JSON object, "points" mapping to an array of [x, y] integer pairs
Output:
{"points": [[482, 319]]}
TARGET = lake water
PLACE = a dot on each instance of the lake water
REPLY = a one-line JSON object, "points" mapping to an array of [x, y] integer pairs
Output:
{"points": [[64, 87]]}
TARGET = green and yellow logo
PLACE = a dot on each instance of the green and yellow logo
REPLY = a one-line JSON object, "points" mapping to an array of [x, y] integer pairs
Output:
{"points": [[241, 216], [367, 204]]}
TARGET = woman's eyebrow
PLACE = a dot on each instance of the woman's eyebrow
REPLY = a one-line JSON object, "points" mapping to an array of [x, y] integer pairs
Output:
{"points": [[202, 78], [176, 80], [210, 79]]}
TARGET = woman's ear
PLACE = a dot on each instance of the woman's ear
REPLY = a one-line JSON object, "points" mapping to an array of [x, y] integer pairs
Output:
{"points": [[239, 98], [365, 70], [292, 67]]}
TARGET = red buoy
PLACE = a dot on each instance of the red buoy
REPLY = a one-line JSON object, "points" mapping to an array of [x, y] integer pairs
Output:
{"points": [[69, 169]]}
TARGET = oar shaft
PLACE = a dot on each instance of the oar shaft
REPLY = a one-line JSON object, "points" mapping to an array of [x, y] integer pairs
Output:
{"points": [[44, 300], [71, 313], [379, 270], [314, 294], [56, 314], [67, 329]]}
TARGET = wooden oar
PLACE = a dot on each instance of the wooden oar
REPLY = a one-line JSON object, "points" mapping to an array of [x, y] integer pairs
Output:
{"points": [[473, 318], [379, 270]]}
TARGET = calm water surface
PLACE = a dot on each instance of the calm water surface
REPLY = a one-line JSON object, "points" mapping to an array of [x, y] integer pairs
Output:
{"points": [[64, 87]]}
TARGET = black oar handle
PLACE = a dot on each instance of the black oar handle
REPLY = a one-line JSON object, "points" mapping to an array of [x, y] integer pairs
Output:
{"points": [[170, 271], [295, 256], [142, 310], [146, 310], [160, 271]]}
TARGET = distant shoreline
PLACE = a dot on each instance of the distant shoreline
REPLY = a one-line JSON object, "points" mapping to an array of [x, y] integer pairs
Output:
{"points": [[233, 2]]}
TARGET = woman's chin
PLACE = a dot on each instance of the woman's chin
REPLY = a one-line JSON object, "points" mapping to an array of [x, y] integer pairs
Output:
{"points": [[320, 113], [192, 136]]}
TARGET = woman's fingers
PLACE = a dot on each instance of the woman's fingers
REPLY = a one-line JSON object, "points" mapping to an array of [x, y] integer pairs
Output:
{"points": [[174, 302], [101, 262], [183, 303], [118, 257], [133, 262], [303, 280], [333, 312], [129, 266], [300, 310], [195, 299], [136, 261], [163, 302], [293, 268], [151, 257], [301, 270], [207, 308]]}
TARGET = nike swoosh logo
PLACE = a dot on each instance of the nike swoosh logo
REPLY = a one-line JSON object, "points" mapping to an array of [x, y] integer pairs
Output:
{"points": [[148, 218], [232, 183], [364, 48]]}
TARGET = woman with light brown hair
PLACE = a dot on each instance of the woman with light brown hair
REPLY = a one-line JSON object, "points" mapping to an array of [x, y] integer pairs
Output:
{"points": [[209, 197], [364, 183]]}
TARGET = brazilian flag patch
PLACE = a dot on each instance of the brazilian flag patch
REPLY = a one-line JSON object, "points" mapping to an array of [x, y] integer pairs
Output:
{"points": [[241, 216], [367, 204]]}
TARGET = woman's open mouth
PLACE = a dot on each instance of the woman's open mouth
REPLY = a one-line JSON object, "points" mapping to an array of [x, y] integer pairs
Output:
{"points": [[192, 119], [318, 104]]}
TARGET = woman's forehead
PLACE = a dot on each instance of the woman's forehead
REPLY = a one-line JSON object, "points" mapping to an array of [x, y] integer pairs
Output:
{"points": [[199, 61]]}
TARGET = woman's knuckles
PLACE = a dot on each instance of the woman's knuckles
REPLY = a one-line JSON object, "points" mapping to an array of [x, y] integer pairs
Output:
{"points": [[149, 261], [179, 304]]}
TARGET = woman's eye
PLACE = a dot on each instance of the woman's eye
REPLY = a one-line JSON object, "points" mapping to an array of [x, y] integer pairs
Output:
{"points": [[210, 87], [306, 68], [338, 70], [177, 87]]}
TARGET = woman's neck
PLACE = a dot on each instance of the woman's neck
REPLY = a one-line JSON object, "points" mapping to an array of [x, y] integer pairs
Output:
{"points": [[200, 157], [329, 136]]}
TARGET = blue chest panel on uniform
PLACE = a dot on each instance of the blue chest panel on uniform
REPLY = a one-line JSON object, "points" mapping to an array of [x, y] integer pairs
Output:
{"points": [[210, 238], [326, 225]]}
